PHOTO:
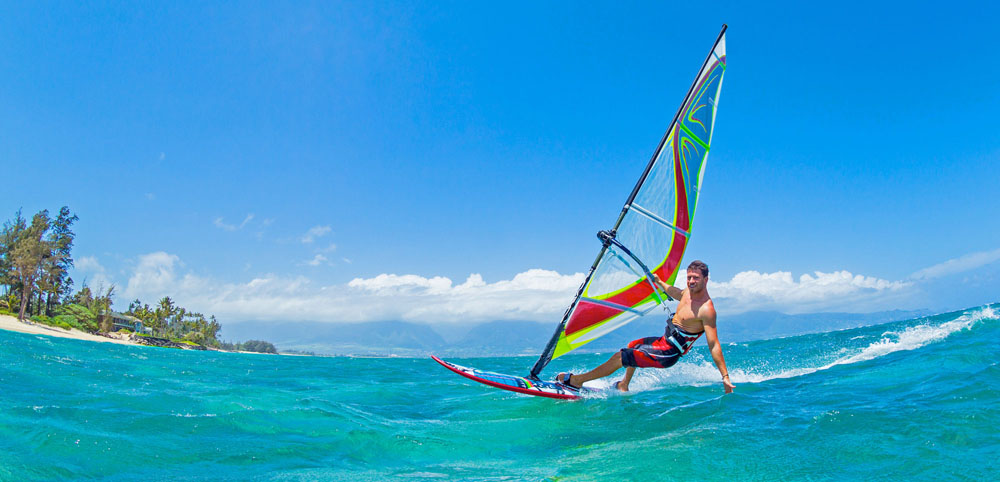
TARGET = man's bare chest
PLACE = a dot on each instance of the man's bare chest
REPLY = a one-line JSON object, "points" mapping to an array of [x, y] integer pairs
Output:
{"points": [[687, 318]]}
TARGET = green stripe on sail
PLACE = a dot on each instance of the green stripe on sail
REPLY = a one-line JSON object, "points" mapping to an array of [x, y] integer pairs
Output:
{"points": [[691, 134]]}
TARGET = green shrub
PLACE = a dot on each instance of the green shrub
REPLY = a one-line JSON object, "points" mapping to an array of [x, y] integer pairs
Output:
{"points": [[66, 320], [61, 321], [83, 318], [45, 320], [10, 304], [258, 346]]}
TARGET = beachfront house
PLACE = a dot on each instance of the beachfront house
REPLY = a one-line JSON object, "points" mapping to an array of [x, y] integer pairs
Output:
{"points": [[121, 321]]}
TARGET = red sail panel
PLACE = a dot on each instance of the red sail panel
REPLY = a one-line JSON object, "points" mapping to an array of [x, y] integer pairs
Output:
{"points": [[673, 260], [587, 314]]}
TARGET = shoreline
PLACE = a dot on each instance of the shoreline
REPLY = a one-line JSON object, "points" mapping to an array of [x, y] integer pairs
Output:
{"points": [[10, 323]]}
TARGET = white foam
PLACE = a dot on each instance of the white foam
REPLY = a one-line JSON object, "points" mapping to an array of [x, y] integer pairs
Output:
{"points": [[915, 337], [705, 373]]}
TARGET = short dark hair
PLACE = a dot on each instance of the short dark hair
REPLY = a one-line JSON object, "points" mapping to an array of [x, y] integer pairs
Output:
{"points": [[700, 266]]}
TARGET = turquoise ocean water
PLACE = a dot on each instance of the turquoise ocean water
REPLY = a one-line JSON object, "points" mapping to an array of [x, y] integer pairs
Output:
{"points": [[916, 399]]}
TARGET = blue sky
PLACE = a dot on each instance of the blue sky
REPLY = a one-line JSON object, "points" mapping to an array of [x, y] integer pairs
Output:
{"points": [[452, 161]]}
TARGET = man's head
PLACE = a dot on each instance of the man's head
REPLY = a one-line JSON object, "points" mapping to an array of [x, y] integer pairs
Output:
{"points": [[697, 276]]}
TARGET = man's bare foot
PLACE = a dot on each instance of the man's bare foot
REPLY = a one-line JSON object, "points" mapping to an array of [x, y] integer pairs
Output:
{"points": [[621, 386]]}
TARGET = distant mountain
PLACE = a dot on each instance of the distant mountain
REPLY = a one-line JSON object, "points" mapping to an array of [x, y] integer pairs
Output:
{"points": [[504, 338], [496, 338]]}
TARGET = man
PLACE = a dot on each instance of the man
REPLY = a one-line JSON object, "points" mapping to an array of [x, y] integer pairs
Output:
{"points": [[695, 315]]}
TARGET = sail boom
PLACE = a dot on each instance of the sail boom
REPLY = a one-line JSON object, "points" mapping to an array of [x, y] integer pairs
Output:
{"points": [[645, 212], [612, 305]]}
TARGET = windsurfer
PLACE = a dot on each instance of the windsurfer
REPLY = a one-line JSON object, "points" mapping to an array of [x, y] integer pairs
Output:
{"points": [[695, 315]]}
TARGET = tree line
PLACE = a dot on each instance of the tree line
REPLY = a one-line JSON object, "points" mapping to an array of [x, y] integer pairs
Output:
{"points": [[35, 259], [168, 320]]}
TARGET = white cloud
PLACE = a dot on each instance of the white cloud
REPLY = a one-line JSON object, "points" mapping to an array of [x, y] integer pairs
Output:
{"points": [[317, 260], [389, 284], [840, 290], [153, 274], [264, 223], [314, 233], [958, 265], [535, 294], [88, 263], [93, 272], [219, 223]]}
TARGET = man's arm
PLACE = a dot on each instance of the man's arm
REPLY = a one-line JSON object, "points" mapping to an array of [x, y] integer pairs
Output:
{"points": [[671, 291], [712, 337]]}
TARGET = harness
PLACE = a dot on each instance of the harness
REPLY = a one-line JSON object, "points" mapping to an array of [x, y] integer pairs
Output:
{"points": [[678, 337]]}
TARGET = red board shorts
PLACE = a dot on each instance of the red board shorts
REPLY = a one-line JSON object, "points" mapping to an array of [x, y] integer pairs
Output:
{"points": [[662, 352]]}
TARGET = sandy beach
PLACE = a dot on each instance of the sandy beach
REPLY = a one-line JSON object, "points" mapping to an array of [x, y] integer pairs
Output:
{"points": [[12, 324]]}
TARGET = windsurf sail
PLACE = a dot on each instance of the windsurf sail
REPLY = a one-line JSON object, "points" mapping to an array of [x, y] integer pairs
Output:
{"points": [[654, 227]]}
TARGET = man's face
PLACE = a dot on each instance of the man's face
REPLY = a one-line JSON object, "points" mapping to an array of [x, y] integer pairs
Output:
{"points": [[696, 282]]}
